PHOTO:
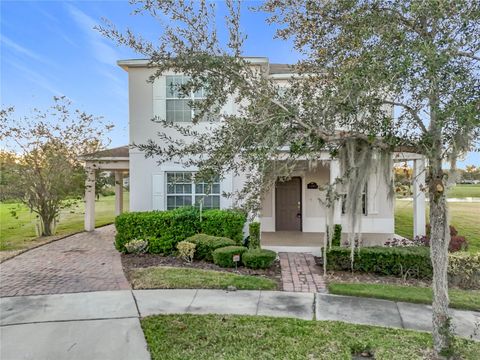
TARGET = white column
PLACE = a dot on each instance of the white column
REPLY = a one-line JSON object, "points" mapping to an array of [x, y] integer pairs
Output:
{"points": [[118, 192], [419, 220], [334, 174], [90, 199]]}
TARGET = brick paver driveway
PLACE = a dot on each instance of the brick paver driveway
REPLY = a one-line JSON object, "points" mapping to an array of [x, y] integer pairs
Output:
{"points": [[81, 262]]}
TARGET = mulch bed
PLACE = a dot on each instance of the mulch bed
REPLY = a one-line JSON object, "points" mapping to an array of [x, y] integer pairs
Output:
{"points": [[137, 261]]}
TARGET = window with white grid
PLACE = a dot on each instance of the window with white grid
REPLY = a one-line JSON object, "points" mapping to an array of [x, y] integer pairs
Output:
{"points": [[182, 190], [177, 104]]}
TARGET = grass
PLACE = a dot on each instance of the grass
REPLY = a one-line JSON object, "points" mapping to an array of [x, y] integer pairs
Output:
{"points": [[464, 216], [464, 190], [203, 337], [186, 278], [18, 233], [460, 299]]}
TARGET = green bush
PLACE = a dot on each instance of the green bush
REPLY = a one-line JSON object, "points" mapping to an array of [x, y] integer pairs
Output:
{"points": [[254, 233], [224, 256], [258, 258], [464, 270], [397, 261], [337, 235], [224, 223], [205, 245], [164, 229]]}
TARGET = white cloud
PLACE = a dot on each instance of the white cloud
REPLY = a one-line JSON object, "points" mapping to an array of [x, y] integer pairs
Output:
{"points": [[102, 51], [23, 50], [36, 78]]}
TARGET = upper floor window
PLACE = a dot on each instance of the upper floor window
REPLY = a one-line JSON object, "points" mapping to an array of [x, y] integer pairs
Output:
{"points": [[183, 190], [177, 103]]}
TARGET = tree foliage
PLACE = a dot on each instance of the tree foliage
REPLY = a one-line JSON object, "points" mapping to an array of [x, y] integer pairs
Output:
{"points": [[43, 167], [374, 77]]}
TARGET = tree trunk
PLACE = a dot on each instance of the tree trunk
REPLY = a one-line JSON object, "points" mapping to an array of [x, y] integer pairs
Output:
{"points": [[46, 226], [439, 241]]}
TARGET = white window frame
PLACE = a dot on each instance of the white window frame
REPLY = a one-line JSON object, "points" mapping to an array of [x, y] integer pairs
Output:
{"points": [[364, 205], [191, 98], [194, 193]]}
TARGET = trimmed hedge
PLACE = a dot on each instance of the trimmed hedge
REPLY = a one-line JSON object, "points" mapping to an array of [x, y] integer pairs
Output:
{"points": [[258, 258], [398, 261], [224, 256], [254, 233], [223, 223], [164, 229], [205, 245]]}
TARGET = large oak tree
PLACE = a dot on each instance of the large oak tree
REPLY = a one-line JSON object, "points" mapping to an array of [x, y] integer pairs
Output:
{"points": [[358, 59]]}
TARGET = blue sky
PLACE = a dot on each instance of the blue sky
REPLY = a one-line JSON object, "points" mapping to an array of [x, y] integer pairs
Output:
{"points": [[49, 48]]}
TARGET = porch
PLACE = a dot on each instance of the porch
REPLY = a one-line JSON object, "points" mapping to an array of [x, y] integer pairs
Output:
{"points": [[293, 212]]}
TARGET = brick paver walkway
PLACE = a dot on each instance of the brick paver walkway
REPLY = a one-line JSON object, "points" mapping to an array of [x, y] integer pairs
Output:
{"points": [[300, 273], [81, 262]]}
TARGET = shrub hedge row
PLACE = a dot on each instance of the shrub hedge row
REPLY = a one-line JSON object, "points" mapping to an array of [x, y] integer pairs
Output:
{"points": [[205, 245], [397, 261], [164, 229], [410, 261]]}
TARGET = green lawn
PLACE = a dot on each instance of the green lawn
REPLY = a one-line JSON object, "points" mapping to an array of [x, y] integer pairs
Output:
{"points": [[19, 233], [464, 216], [460, 299], [186, 278], [464, 190], [203, 337]]}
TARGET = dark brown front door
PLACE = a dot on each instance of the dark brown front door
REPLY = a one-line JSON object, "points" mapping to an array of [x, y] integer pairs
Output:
{"points": [[288, 205]]}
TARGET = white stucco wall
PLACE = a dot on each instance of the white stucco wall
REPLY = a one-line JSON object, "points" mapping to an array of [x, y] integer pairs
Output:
{"points": [[147, 177]]}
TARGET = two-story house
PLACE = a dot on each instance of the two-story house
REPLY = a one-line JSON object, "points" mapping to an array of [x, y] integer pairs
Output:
{"points": [[292, 217]]}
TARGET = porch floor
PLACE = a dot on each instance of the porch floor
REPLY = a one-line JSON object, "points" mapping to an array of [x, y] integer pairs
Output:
{"points": [[297, 241], [292, 238]]}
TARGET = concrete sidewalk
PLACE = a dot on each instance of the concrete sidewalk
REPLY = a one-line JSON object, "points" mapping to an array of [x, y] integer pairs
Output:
{"points": [[105, 325]]}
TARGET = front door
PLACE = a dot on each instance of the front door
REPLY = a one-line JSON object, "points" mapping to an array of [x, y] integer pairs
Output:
{"points": [[288, 205]]}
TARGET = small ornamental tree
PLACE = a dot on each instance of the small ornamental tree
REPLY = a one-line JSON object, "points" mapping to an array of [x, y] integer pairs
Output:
{"points": [[47, 174], [361, 62]]}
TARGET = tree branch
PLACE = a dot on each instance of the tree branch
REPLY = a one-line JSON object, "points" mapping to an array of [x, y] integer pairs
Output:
{"points": [[467, 54], [412, 112]]}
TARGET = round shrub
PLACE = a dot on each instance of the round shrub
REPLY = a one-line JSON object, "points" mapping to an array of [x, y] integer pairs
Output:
{"points": [[258, 258], [224, 256], [205, 245], [186, 251], [136, 247]]}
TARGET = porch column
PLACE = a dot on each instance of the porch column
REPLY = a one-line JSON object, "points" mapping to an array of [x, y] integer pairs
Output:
{"points": [[118, 192], [419, 220], [90, 199], [337, 208]]}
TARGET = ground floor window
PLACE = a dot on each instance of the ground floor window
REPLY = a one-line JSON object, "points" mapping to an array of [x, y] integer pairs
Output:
{"points": [[364, 202], [183, 190]]}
